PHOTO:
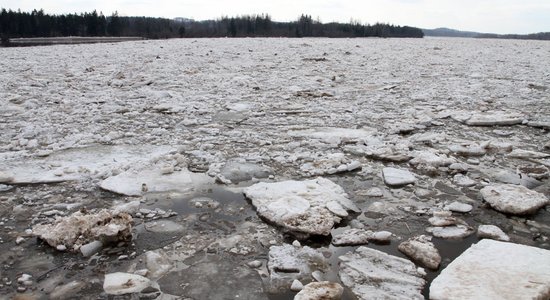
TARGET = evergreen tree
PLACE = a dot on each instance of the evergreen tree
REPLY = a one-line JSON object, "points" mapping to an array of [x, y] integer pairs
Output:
{"points": [[113, 26]]}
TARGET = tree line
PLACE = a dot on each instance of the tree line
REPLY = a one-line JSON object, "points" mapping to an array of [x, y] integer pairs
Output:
{"points": [[305, 26], [17, 24]]}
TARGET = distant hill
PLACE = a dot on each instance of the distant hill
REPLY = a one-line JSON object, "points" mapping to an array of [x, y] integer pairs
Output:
{"points": [[543, 36], [448, 32]]}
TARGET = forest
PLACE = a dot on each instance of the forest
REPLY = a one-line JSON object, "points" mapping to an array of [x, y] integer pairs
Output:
{"points": [[17, 24]]}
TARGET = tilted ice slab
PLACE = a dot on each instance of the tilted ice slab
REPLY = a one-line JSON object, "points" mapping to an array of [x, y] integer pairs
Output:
{"points": [[494, 118], [527, 154], [320, 290], [333, 134], [511, 177], [495, 270], [355, 236], [243, 171], [492, 232], [513, 199], [136, 183], [421, 250], [539, 124], [78, 163], [372, 274], [332, 163], [307, 207], [124, 283]]}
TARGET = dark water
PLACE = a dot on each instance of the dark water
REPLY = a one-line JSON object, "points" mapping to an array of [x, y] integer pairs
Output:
{"points": [[43, 262], [448, 249], [230, 212]]}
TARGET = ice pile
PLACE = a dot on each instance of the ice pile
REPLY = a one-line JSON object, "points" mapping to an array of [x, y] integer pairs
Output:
{"points": [[82, 229]]}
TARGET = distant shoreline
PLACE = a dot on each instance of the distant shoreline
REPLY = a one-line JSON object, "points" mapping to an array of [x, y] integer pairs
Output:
{"points": [[448, 32], [75, 40], [70, 40]]}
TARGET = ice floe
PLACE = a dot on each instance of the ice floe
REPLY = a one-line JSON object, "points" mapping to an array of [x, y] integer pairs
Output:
{"points": [[370, 273], [495, 270], [421, 250], [513, 199], [355, 236], [310, 207], [320, 290], [137, 183], [492, 232], [397, 177]]}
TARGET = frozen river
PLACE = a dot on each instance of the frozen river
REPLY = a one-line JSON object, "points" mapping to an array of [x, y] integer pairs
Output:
{"points": [[432, 136]]}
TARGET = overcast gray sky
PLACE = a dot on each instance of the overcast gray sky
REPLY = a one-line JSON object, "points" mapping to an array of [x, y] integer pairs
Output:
{"points": [[496, 16]]}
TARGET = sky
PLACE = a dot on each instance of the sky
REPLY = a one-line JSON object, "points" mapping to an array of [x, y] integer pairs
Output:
{"points": [[490, 16]]}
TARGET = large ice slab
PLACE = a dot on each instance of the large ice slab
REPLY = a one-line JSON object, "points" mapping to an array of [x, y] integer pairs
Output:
{"points": [[135, 183], [333, 134], [77, 163], [513, 199], [372, 274], [495, 270], [307, 207]]}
